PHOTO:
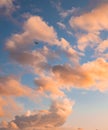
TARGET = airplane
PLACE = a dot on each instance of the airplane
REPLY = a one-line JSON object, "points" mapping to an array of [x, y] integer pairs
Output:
{"points": [[36, 42]]}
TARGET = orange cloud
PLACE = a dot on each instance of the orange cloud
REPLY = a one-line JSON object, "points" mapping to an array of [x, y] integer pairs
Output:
{"points": [[91, 23], [54, 117], [9, 107], [91, 75], [49, 84], [10, 86], [2, 104], [33, 30], [102, 47], [90, 39], [9, 89]]}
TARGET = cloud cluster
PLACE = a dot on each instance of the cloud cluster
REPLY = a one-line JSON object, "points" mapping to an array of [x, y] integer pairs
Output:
{"points": [[91, 23], [87, 76], [91, 75], [36, 29], [52, 77], [101, 49], [54, 117], [10, 87]]}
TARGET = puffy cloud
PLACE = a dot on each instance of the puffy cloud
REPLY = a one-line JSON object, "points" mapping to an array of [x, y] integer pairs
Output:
{"points": [[6, 6], [90, 39], [20, 45], [9, 107], [8, 126], [71, 76], [49, 84], [36, 29], [54, 117], [98, 71], [91, 24], [91, 75], [10, 86], [40, 30], [93, 21]]}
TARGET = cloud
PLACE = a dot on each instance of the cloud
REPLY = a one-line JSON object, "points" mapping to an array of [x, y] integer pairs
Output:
{"points": [[64, 13], [92, 76], [90, 39], [8, 126], [87, 76], [9, 107], [36, 59], [41, 30], [70, 76], [93, 21], [6, 6], [90, 24], [102, 47], [54, 117], [9, 86], [2, 104], [36, 29], [70, 52], [49, 84]]}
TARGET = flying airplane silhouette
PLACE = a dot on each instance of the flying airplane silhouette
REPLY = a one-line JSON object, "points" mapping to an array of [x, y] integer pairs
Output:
{"points": [[36, 42]]}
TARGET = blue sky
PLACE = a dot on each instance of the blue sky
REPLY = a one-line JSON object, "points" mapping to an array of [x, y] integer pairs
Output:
{"points": [[62, 80]]}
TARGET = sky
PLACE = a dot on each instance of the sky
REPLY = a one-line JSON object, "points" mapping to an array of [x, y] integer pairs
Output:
{"points": [[53, 64]]}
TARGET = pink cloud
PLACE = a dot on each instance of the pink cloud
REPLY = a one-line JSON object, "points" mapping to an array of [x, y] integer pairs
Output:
{"points": [[54, 117], [91, 23]]}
